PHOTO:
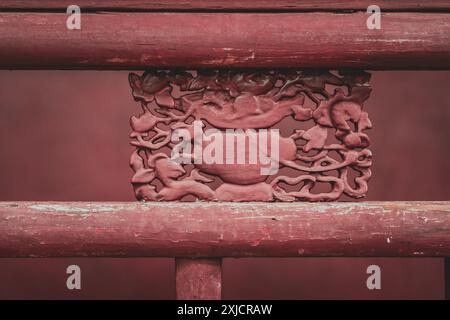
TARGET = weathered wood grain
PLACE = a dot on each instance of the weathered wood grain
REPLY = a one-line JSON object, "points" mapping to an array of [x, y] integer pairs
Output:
{"points": [[232, 40], [228, 4], [29, 229]]}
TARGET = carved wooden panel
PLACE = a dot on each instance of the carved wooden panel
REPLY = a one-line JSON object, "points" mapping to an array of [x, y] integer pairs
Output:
{"points": [[250, 136]]}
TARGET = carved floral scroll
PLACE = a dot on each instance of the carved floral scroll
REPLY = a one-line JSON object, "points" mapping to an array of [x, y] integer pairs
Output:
{"points": [[322, 157]]}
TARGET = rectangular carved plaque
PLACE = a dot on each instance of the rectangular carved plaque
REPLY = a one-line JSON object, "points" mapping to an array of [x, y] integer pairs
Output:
{"points": [[220, 135]]}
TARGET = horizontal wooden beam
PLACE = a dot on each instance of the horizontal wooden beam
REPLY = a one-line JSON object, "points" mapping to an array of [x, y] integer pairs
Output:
{"points": [[201, 229], [190, 5], [244, 40]]}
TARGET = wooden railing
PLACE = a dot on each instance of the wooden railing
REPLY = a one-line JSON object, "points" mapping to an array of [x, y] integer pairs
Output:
{"points": [[132, 35], [233, 34], [192, 232]]}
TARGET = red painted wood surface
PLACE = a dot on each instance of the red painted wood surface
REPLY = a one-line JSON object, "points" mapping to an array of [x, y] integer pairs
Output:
{"points": [[447, 277], [229, 4], [188, 40], [198, 279], [208, 229], [249, 101]]}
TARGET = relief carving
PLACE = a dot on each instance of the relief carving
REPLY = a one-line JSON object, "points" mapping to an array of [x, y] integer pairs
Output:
{"points": [[323, 156]]}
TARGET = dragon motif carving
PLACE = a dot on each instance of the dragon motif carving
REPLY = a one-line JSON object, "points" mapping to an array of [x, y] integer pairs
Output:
{"points": [[323, 156]]}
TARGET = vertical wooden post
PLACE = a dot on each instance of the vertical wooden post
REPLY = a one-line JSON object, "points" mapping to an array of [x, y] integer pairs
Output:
{"points": [[447, 277], [198, 279]]}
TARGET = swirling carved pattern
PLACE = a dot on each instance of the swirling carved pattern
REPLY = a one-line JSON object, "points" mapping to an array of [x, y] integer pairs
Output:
{"points": [[331, 153]]}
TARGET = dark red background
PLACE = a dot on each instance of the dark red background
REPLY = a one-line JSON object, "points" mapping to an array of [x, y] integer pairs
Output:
{"points": [[64, 136]]}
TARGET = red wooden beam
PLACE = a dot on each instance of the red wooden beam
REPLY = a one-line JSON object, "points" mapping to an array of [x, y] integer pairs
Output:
{"points": [[208, 229], [198, 279], [191, 40], [229, 4]]}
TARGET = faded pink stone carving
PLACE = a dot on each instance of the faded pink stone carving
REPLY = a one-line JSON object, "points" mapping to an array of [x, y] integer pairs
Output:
{"points": [[321, 156]]}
